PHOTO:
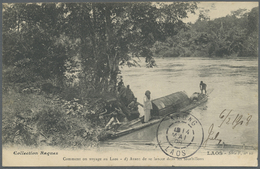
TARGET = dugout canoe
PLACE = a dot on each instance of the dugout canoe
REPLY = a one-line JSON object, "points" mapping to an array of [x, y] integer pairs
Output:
{"points": [[177, 102]]}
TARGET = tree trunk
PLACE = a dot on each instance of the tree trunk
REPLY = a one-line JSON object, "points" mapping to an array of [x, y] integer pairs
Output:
{"points": [[112, 55]]}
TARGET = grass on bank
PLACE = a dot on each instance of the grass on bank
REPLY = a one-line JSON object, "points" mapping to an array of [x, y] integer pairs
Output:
{"points": [[33, 120]]}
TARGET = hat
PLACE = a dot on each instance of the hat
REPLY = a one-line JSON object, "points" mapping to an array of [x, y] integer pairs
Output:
{"points": [[147, 92]]}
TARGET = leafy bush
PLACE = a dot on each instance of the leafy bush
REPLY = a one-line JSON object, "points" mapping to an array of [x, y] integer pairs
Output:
{"points": [[34, 120], [18, 131], [65, 130], [69, 93]]}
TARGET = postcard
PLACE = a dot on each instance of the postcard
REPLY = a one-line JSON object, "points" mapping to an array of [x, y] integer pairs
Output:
{"points": [[130, 84]]}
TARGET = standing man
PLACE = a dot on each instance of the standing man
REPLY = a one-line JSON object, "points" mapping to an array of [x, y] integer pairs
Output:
{"points": [[203, 86], [129, 95], [147, 106], [120, 84]]}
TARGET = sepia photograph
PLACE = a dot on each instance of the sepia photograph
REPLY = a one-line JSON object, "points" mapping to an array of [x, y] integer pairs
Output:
{"points": [[130, 83]]}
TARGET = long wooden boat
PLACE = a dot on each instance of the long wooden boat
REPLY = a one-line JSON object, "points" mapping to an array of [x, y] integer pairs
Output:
{"points": [[177, 102]]}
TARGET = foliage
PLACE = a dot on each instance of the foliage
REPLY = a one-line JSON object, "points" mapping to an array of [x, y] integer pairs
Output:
{"points": [[30, 40], [43, 40], [235, 34], [34, 120]]}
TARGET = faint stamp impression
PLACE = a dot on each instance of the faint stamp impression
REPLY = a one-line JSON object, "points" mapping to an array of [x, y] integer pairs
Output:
{"points": [[180, 135]]}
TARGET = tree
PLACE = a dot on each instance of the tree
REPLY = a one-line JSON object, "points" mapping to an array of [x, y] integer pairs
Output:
{"points": [[111, 34], [31, 41], [42, 37]]}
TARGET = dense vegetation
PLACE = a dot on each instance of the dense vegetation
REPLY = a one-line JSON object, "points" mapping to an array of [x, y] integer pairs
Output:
{"points": [[235, 35], [61, 61]]}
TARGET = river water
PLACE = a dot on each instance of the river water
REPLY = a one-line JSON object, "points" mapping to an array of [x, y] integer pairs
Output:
{"points": [[235, 84]]}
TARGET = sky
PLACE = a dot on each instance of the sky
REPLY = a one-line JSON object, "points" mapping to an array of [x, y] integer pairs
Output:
{"points": [[220, 9]]}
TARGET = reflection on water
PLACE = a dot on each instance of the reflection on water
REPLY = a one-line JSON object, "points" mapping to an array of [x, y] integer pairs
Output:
{"points": [[235, 84]]}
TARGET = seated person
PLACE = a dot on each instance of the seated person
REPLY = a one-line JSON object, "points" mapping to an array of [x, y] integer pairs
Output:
{"points": [[133, 106], [115, 113], [195, 96], [112, 121]]}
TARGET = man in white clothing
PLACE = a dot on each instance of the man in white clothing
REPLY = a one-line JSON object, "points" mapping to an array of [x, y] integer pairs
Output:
{"points": [[147, 106]]}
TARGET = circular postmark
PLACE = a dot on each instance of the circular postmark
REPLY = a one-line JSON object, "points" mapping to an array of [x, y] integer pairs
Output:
{"points": [[180, 135]]}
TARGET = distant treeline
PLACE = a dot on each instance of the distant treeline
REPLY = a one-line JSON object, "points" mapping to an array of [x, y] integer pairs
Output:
{"points": [[230, 36]]}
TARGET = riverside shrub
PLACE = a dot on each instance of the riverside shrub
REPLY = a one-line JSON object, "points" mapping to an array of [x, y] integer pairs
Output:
{"points": [[33, 120]]}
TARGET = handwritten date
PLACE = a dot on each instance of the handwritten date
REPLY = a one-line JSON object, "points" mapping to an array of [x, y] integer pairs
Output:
{"points": [[236, 121]]}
